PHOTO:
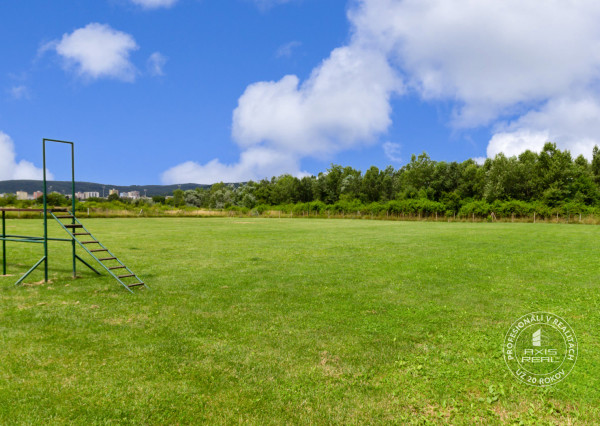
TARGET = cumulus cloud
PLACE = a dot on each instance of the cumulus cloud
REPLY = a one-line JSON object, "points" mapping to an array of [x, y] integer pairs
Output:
{"points": [[154, 4], [570, 122], [254, 164], [498, 59], [490, 56], [342, 105], [285, 51], [10, 169], [156, 63], [96, 51], [392, 151], [19, 92]]}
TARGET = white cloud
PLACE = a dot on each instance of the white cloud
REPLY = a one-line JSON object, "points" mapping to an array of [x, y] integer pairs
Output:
{"points": [[570, 122], [96, 51], [10, 169], [344, 104], [19, 92], [286, 50], [497, 59], [392, 151], [156, 63], [266, 4], [490, 56], [254, 164], [154, 4], [515, 142]]}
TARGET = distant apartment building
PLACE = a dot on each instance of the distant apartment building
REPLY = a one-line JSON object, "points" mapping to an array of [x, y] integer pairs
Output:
{"points": [[92, 194], [113, 191], [22, 195], [37, 194], [79, 195], [134, 195]]}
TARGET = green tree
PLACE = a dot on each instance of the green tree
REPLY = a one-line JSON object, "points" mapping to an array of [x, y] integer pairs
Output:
{"points": [[113, 197], [284, 189], [307, 189], [54, 199], [595, 166], [178, 198], [419, 172], [371, 185], [329, 184]]}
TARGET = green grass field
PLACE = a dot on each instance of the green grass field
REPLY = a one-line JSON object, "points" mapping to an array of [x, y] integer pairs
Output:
{"points": [[298, 321]]}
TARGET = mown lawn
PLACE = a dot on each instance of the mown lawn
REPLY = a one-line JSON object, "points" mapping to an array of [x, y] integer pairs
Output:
{"points": [[298, 321]]}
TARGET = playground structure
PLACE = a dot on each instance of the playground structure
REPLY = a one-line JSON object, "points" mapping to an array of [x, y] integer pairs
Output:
{"points": [[78, 235]]}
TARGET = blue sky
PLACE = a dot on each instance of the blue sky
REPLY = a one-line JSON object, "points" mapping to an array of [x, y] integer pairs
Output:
{"points": [[174, 91]]}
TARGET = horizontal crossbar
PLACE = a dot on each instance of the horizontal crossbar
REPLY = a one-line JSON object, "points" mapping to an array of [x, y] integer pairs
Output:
{"points": [[21, 240], [34, 238], [6, 209]]}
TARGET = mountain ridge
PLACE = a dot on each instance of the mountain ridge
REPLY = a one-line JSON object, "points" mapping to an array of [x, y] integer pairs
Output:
{"points": [[64, 187]]}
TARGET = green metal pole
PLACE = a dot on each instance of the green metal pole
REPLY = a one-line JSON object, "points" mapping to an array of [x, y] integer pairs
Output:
{"points": [[30, 271], [45, 216], [73, 206], [3, 243]]}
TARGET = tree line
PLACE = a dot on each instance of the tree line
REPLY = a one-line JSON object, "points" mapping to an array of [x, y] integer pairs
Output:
{"points": [[545, 183]]}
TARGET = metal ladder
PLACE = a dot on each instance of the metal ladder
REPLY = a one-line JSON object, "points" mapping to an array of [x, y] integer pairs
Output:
{"points": [[110, 262]]}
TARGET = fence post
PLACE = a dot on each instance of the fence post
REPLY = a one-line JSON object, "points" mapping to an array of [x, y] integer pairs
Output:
{"points": [[533, 217]]}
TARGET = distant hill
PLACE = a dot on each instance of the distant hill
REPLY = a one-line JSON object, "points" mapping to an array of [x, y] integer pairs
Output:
{"points": [[64, 187]]}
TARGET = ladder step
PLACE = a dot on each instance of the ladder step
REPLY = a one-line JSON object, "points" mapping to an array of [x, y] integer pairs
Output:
{"points": [[72, 229]]}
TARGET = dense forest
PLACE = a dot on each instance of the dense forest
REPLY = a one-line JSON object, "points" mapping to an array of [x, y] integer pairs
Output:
{"points": [[547, 184]]}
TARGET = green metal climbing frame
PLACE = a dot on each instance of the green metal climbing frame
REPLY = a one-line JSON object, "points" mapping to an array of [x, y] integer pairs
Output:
{"points": [[74, 229]]}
